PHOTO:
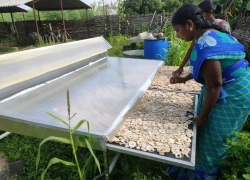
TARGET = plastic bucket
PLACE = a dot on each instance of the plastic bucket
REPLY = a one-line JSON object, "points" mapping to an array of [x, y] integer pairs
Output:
{"points": [[155, 49]]}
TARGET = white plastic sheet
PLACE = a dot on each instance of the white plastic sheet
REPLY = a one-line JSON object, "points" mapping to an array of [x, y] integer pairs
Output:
{"points": [[101, 94]]}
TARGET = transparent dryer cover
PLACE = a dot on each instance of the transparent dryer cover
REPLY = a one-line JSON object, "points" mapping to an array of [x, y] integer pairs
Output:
{"points": [[43, 63], [101, 93]]}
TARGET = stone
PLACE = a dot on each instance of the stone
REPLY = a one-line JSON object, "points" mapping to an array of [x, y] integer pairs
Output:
{"points": [[4, 168]]}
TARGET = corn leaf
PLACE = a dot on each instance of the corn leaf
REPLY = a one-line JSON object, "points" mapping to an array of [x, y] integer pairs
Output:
{"points": [[55, 161], [58, 139], [100, 175], [93, 154], [85, 165], [57, 118], [79, 125], [76, 143], [82, 142]]}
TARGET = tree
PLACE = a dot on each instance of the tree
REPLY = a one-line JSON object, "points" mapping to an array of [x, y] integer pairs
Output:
{"points": [[195, 2], [102, 7], [170, 6], [142, 6], [234, 8], [121, 14]]}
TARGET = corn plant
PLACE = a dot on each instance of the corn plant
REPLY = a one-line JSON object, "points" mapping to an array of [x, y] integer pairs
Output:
{"points": [[73, 141]]}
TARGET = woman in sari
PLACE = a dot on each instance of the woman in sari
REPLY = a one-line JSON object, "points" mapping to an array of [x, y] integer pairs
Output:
{"points": [[209, 9], [218, 62]]}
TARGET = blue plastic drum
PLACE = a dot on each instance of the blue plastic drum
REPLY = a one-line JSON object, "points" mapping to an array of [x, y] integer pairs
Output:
{"points": [[155, 49]]}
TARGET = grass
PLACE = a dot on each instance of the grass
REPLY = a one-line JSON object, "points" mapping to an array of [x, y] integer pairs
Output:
{"points": [[17, 147], [4, 50]]}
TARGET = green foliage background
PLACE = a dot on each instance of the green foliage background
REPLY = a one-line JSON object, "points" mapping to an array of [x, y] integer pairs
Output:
{"points": [[236, 164], [49, 15], [150, 6], [142, 6]]}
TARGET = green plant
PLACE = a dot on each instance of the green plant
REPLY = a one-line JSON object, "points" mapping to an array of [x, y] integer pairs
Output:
{"points": [[177, 50], [8, 38], [237, 165], [130, 167], [74, 142], [167, 30], [6, 50], [144, 27], [142, 7], [117, 43], [121, 15]]}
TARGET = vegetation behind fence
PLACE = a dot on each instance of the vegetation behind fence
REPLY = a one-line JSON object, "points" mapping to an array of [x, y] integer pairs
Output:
{"points": [[96, 26]]}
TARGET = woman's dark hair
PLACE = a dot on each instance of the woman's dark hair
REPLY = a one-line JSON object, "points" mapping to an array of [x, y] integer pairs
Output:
{"points": [[209, 5], [193, 13]]}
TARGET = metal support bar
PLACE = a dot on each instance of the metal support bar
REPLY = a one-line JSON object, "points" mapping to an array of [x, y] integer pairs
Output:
{"points": [[4, 135], [112, 165]]}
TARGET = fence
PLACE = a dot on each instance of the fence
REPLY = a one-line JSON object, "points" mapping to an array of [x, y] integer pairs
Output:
{"points": [[96, 26], [110, 25]]}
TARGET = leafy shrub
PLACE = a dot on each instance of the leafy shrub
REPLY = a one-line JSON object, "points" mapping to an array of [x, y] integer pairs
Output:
{"points": [[117, 43], [237, 164], [8, 38], [6, 50], [177, 50]]}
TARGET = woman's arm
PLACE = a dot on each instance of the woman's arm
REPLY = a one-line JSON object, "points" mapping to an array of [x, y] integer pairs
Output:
{"points": [[179, 71], [187, 56], [213, 78], [177, 79], [188, 77]]}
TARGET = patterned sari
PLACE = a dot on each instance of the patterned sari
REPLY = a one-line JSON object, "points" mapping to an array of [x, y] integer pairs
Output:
{"points": [[233, 106], [223, 24]]}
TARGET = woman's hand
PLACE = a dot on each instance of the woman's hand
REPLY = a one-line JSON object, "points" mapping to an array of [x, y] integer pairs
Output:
{"points": [[174, 80], [200, 121], [178, 72]]}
